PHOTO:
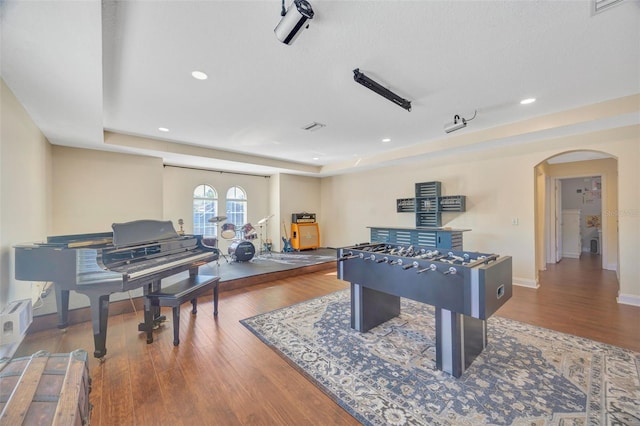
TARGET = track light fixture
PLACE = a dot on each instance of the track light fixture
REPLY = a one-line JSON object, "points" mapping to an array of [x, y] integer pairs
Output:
{"points": [[458, 123], [380, 90], [293, 21]]}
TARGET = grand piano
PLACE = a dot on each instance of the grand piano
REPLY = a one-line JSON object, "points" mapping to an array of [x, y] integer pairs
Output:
{"points": [[136, 254]]}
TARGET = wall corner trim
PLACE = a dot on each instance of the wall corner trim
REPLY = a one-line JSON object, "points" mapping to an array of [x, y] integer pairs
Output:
{"points": [[525, 282]]}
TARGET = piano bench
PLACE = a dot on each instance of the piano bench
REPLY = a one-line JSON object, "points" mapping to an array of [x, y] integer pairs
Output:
{"points": [[189, 289]]}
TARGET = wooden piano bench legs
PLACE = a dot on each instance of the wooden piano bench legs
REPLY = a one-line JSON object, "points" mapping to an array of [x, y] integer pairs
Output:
{"points": [[175, 295]]}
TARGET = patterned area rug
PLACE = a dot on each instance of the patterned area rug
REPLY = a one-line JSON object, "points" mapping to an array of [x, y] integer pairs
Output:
{"points": [[526, 376]]}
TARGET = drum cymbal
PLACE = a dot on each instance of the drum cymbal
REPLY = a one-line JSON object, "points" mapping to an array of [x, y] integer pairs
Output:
{"points": [[217, 219], [264, 219]]}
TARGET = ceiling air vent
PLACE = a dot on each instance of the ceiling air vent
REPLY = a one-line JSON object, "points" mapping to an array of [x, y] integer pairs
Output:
{"points": [[312, 127], [602, 5]]}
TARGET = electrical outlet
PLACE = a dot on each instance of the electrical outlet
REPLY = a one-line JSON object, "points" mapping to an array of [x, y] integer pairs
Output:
{"points": [[514, 220]]}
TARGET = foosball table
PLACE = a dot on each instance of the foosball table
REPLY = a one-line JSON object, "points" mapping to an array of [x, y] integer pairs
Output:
{"points": [[465, 288]]}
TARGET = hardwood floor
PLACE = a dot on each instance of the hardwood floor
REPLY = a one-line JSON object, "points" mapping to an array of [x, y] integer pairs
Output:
{"points": [[577, 296], [222, 374]]}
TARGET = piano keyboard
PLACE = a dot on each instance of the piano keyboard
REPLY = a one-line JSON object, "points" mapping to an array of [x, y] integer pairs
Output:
{"points": [[160, 265]]}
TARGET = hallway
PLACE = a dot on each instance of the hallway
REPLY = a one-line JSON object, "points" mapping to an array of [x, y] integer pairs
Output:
{"points": [[577, 296]]}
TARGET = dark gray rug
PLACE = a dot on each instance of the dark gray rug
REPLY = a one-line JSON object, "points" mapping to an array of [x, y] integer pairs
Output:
{"points": [[259, 264], [295, 259], [526, 376]]}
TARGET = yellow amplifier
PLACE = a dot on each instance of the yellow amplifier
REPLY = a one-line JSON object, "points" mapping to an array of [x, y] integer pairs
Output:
{"points": [[305, 236]]}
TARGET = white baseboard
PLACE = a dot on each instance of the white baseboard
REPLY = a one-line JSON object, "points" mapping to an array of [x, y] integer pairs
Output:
{"points": [[611, 267], [525, 282], [629, 299], [571, 254]]}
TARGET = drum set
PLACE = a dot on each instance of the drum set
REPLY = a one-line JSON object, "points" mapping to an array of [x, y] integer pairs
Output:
{"points": [[241, 249]]}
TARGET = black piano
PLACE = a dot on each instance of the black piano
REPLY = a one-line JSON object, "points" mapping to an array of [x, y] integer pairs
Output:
{"points": [[136, 254]]}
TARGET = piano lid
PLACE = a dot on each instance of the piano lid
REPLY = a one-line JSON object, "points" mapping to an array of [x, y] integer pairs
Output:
{"points": [[142, 231], [77, 240]]}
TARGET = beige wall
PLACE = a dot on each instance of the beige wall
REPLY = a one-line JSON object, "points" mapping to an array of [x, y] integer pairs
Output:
{"points": [[25, 189], [94, 189], [499, 184]]}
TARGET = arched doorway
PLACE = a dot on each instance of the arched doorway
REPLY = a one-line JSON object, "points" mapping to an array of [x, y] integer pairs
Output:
{"points": [[594, 174]]}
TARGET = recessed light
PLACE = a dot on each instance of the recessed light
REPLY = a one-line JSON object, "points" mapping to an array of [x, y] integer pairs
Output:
{"points": [[199, 75], [385, 140], [163, 129], [527, 101], [316, 158]]}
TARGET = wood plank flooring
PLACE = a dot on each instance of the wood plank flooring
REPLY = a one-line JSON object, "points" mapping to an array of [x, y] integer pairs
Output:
{"points": [[576, 296], [221, 374]]}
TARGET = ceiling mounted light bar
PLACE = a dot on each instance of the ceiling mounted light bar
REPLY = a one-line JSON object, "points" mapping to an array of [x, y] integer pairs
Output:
{"points": [[380, 90]]}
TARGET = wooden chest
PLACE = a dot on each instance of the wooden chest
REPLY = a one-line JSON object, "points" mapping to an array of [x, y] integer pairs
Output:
{"points": [[45, 389]]}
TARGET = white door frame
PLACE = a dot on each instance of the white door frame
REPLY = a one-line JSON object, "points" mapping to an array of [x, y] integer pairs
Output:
{"points": [[554, 220], [554, 215]]}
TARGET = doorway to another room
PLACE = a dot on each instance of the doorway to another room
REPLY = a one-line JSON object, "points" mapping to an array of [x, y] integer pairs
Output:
{"points": [[580, 212], [575, 191]]}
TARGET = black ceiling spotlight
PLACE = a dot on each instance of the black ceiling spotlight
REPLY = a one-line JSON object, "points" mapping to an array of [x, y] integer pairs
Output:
{"points": [[458, 123], [293, 21], [381, 90]]}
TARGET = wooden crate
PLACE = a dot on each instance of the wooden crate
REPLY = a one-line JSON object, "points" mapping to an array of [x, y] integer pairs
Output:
{"points": [[45, 389]]}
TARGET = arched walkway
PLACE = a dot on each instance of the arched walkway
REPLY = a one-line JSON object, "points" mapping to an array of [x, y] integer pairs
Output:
{"points": [[592, 167]]}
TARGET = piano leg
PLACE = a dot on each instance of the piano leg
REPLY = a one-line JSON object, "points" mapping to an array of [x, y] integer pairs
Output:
{"points": [[215, 300], [99, 316], [147, 326], [155, 311], [62, 302]]}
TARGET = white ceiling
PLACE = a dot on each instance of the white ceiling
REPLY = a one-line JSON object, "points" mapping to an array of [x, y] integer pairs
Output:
{"points": [[81, 68]]}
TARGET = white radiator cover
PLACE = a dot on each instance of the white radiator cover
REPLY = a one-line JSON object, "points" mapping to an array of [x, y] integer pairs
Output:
{"points": [[15, 319]]}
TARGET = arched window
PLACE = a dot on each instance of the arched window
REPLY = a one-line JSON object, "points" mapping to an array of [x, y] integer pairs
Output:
{"points": [[236, 207], [205, 206]]}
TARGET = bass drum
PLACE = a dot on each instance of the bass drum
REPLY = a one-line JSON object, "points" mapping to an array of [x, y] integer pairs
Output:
{"points": [[242, 251]]}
